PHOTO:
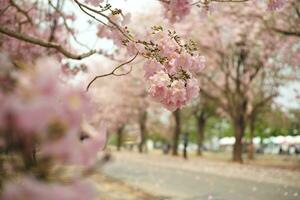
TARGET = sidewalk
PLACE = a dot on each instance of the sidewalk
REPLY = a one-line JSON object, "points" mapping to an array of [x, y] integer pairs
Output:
{"points": [[112, 189], [262, 174]]}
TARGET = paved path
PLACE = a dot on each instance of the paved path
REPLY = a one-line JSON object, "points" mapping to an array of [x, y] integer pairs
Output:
{"points": [[173, 178]]}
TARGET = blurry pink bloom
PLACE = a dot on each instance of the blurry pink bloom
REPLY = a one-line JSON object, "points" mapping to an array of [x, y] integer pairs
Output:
{"points": [[184, 61], [276, 4], [176, 10], [207, 9], [158, 92], [192, 88], [94, 2], [198, 63], [178, 96], [151, 67], [172, 67], [158, 85], [172, 82], [126, 19], [103, 31], [91, 146], [71, 150], [131, 49], [160, 78], [169, 103]]}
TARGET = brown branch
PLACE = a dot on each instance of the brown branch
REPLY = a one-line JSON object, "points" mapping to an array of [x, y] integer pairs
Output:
{"points": [[4, 9], [43, 43], [81, 6], [67, 26], [279, 30], [230, 1], [263, 102], [113, 72], [19, 9], [286, 32], [219, 1]]}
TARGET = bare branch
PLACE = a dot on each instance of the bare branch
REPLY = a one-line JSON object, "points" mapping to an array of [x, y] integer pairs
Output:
{"points": [[4, 9], [205, 2], [286, 32], [113, 72], [43, 43], [19, 9], [83, 6]]}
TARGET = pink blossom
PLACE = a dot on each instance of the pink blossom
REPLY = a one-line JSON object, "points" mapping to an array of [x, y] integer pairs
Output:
{"points": [[151, 67], [84, 153], [172, 66], [179, 96], [158, 92], [176, 10], [171, 80], [198, 63], [183, 61], [276, 4], [159, 83], [166, 45], [126, 19], [94, 2], [192, 88], [205, 10], [131, 48]]}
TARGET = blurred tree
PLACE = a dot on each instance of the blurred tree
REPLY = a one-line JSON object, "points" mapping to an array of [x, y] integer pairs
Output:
{"points": [[176, 132], [240, 79], [204, 109], [143, 130]]}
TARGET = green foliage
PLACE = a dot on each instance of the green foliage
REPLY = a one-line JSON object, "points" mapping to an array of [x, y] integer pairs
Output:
{"points": [[157, 137], [112, 139]]}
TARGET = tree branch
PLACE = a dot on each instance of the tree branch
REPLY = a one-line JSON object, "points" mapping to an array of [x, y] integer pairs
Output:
{"points": [[43, 43], [19, 9], [113, 72], [286, 32]]}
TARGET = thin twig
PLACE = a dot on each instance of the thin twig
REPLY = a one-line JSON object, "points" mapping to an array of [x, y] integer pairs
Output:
{"points": [[81, 6], [19, 9], [113, 72]]}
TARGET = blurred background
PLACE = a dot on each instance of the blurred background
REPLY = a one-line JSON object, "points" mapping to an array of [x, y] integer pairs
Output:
{"points": [[239, 139]]}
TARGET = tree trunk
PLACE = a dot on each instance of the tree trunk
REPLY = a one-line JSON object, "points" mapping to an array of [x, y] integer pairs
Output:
{"points": [[177, 131], [239, 129], [142, 123], [201, 121], [120, 137], [251, 148]]}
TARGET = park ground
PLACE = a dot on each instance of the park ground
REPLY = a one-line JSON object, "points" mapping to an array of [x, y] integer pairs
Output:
{"points": [[153, 176]]}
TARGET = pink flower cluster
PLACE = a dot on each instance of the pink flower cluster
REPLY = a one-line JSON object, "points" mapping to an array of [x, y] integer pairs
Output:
{"points": [[32, 19], [109, 33], [276, 4], [42, 109], [176, 10], [170, 71]]}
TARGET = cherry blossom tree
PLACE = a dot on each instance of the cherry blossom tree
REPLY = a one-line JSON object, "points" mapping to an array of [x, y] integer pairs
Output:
{"points": [[238, 64], [41, 118], [179, 10]]}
